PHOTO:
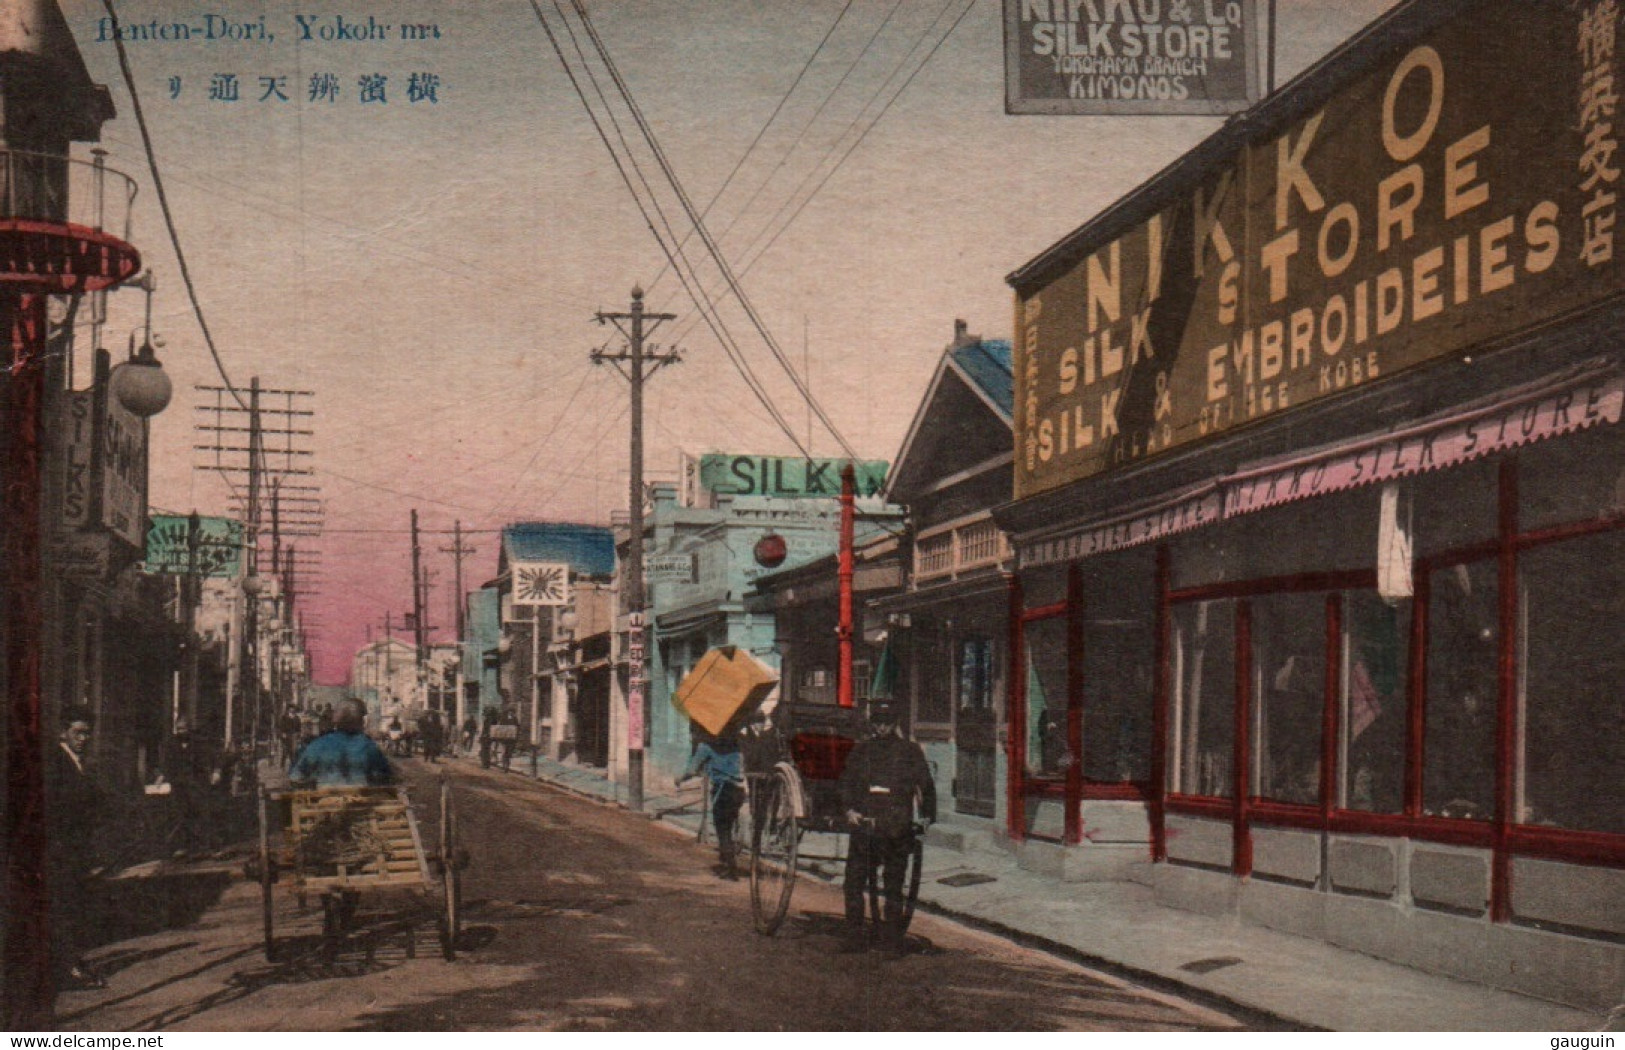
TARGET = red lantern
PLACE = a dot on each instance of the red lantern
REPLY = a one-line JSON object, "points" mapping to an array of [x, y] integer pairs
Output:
{"points": [[771, 551]]}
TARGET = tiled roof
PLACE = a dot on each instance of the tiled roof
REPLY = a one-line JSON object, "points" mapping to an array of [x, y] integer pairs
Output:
{"points": [[587, 549], [987, 364]]}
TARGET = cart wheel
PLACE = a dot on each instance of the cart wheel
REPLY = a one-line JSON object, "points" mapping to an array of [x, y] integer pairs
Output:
{"points": [[911, 886], [451, 878], [265, 879], [775, 837], [911, 881]]}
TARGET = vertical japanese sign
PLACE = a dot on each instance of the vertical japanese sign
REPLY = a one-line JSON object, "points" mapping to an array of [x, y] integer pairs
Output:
{"points": [[1130, 56], [634, 681], [1456, 190]]}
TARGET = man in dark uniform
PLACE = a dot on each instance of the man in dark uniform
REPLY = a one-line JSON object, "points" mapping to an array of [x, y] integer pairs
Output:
{"points": [[884, 775]]}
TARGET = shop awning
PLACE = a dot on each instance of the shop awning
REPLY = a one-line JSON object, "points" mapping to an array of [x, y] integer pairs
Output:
{"points": [[1578, 398], [1532, 413]]}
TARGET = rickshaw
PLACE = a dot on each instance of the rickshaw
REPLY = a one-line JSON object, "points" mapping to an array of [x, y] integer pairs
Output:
{"points": [[793, 765], [345, 843], [793, 769]]}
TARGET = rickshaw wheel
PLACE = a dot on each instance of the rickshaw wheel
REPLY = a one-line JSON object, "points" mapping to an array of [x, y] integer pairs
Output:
{"points": [[911, 886], [451, 878], [775, 837]]}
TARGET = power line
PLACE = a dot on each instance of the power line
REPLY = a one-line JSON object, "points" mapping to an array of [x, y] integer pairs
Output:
{"points": [[763, 130], [705, 236], [724, 335], [734, 355], [829, 97]]}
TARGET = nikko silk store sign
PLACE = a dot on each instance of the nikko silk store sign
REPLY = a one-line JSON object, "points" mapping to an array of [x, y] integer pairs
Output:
{"points": [[1460, 189]]}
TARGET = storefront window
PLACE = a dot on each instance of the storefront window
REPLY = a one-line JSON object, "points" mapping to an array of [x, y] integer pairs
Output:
{"points": [[1204, 700], [1375, 666], [1289, 689], [933, 685], [1579, 478], [1574, 706], [975, 667], [1046, 697], [1119, 646], [1454, 508], [1458, 764]]}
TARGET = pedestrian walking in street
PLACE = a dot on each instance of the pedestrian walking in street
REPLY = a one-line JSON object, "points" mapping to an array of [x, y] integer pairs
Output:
{"points": [[718, 757], [395, 733], [471, 726], [345, 757], [885, 778], [433, 735], [76, 811]]}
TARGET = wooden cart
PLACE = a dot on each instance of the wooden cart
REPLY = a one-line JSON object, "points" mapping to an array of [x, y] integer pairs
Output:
{"points": [[345, 843]]}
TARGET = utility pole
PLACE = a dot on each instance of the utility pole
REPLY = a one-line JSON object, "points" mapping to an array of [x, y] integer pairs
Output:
{"points": [[458, 552], [296, 507], [193, 592], [417, 609], [640, 363]]}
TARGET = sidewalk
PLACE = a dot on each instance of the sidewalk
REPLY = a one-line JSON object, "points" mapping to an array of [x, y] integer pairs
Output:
{"points": [[1119, 926]]}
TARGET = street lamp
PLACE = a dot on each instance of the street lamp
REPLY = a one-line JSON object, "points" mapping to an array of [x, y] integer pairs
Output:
{"points": [[140, 383]]}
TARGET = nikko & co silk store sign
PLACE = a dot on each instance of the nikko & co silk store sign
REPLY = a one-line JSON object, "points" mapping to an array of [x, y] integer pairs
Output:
{"points": [[1130, 56], [1462, 188]]}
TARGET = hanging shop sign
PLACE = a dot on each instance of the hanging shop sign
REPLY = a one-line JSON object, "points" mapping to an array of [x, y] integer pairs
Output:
{"points": [[83, 555], [1458, 190], [786, 477], [541, 583], [1130, 56], [123, 473], [219, 546]]}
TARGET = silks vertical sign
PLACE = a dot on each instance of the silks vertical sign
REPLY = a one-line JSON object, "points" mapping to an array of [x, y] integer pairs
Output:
{"points": [[1130, 56]]}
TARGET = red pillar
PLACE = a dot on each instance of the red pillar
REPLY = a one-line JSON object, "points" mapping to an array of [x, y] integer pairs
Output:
{"points": [[29, 987], [843, 632]]}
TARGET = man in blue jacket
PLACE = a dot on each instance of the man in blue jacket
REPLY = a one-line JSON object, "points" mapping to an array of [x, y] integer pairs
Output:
{"points": [[344, 756]]}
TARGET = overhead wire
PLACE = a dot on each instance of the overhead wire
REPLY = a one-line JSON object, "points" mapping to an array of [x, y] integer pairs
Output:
{"points": [[784, 227], [690, 279], [801, 136], [718, 258], [762, 131], [737, 358]]}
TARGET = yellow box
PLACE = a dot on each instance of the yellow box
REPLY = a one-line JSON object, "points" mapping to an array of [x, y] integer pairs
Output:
{"points": [[725, 680]]}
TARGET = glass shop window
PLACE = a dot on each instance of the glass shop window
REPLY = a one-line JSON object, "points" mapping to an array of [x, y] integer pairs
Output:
{"points": [[1204, 699], [933, 699], [1454, 508], [1289, 690], [976, 682], [1119, 648], [1046, 697], [1458, 756], [1576, 478], [1574, 685], [1376, 665]]}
